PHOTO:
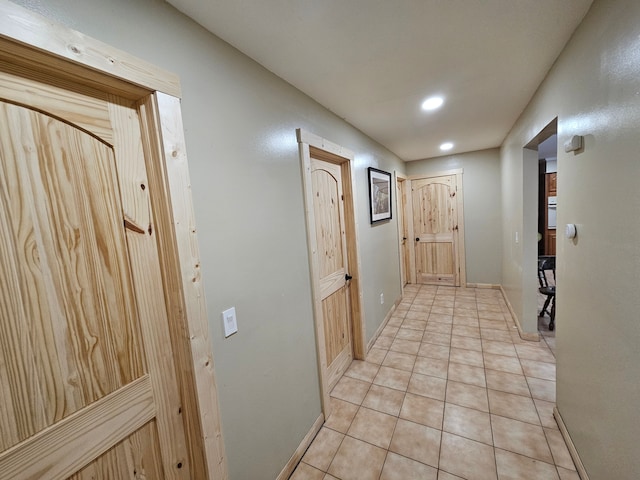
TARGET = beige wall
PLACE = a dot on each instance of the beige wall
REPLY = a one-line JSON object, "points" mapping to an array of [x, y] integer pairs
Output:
{"points": [[240, 123], [593, 89], [482, 209]]}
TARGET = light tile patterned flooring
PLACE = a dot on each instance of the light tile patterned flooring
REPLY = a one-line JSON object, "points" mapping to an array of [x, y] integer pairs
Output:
{"points": [[449, 391]]}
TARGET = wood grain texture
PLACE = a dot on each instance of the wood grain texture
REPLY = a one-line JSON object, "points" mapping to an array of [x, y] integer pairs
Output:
{"points": [[184, 286], [147, 280], [171, 275], [75, 67], [136, 457], [435, 226], [305, 161], [30, 38], [60, 249], [314, 147], [329, 228], [403, 229], [331, 252], [356, 296], [171, 278], [60, 450], [336, 326], [83, 108], [459, 244]]}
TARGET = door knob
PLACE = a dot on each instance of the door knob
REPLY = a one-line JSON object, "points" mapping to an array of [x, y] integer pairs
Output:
{"points": [[417, 239], [347, 277]]}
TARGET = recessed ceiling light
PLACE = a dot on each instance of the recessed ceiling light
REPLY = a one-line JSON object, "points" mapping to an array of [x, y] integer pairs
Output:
{"points": [[446, 146], [432, 103]]}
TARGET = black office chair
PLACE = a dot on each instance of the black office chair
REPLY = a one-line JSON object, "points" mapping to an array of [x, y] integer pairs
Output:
{"points": [[544, 265]]}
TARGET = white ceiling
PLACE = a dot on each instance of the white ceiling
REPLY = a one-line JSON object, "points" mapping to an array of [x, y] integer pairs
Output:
{"points": [[373, 62]]}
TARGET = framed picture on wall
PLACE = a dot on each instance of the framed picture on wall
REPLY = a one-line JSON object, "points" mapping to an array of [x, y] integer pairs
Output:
{"points": [[379, 195]]}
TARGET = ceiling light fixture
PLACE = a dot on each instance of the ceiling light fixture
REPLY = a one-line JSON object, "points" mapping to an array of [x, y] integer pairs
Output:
{"points": [[432, 103], [446, 146]]}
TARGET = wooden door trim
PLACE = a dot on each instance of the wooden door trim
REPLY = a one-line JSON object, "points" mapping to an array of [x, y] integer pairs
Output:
{"points": [[461, 253], [163, 136], [44, 45], [441, 173], [401, 214], [412, 234], [333, 153], [32, 43], [461, 249]]}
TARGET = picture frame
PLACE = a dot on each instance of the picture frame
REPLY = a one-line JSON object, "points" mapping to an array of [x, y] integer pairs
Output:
{"points": [[379, 195]]}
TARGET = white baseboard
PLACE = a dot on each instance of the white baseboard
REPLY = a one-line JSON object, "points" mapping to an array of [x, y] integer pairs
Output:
{"points": [[582, 472], [530, 336], [302, 448]]}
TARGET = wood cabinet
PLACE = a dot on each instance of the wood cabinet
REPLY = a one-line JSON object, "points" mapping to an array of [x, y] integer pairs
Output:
{"points": [[549, 234], [550, 242], [551, 184]]}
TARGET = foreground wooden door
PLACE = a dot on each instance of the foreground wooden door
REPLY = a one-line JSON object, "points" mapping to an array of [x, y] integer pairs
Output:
{"points": [[436, 229], [328, 205], [87, 381]]}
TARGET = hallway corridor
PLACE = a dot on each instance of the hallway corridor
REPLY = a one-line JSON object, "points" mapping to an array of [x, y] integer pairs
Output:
{"points": [[449, 391]]}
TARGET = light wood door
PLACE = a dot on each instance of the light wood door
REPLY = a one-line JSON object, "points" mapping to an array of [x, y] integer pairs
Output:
{"points": [[328, 205], [87, 382], [436, 230]]}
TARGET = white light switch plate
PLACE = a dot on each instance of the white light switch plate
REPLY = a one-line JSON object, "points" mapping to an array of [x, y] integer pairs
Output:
{"points": [[229, 321]]}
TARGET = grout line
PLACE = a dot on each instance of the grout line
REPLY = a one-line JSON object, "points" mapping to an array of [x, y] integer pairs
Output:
{"points": [[447, 379]]}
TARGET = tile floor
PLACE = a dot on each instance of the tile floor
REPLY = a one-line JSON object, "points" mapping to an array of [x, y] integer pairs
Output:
{"points": [[449, 391]]}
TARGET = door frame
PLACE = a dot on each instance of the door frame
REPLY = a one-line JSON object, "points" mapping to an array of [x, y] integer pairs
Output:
{"points": [[461, 252], [335, 154], [32, 42], [402, 185]]}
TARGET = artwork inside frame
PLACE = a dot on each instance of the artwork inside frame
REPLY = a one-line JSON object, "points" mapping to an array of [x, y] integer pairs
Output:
{"points": [[379, 195]]}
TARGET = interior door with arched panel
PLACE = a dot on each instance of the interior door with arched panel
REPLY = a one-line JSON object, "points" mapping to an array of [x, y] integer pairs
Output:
{"points": [[328, 205], [437, 220], [88, 385]]}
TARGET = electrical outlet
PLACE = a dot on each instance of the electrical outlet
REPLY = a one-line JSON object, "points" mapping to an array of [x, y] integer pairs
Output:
{"points": [[381, 298], [229, 321]]}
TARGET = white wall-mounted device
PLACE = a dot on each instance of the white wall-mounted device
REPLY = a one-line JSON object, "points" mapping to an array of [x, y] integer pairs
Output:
{"points": [[229, 321], [573, 144]]}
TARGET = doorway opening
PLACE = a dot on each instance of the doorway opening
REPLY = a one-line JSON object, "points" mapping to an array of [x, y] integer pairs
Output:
{"points": [[329, 197], [545, 179], [547, 195]]}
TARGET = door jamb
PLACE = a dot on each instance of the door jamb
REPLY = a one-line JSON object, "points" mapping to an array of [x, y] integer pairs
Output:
{"points": [[345, 158], [460, 208], [401, 214], [30, 41]]}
